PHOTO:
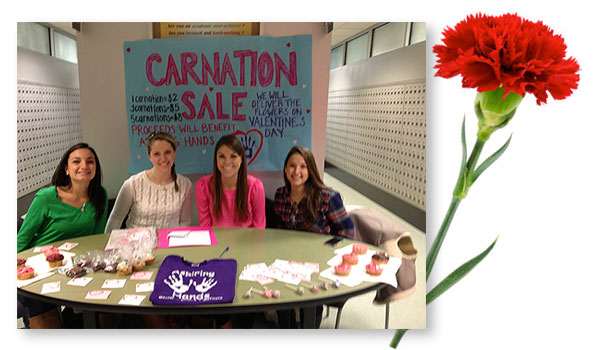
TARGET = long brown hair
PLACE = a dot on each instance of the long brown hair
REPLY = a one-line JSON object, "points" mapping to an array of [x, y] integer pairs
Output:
{"points": [[241, 193], [312, 186], [94, 191], [163, 136]]}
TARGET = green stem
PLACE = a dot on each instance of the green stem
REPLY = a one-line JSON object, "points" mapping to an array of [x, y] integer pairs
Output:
{"points": [[437, 243], [460, 191], [397, 336]]}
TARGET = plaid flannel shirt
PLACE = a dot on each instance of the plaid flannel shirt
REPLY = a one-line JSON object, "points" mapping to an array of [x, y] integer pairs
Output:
{"points": [[332, 218]]}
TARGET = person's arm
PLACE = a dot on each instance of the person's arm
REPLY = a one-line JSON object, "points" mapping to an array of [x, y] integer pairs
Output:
{"points": [[185, 216], [259, 220], [101, 224], [203, 203], [338, 216], [36, 215], [122, 207]]}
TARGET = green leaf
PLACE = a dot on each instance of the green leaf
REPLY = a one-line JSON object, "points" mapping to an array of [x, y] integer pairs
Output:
{"points": [[457, 274], [480, 169], [462, 176]]}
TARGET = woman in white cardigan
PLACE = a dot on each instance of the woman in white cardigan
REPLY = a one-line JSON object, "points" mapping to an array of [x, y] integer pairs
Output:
{"points": [[157, 197]]}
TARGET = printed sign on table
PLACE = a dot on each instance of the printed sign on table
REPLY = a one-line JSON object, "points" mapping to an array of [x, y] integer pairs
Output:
{"points": [[199, 89]]}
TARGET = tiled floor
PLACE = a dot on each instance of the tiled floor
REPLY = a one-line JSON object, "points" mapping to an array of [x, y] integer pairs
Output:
{"points": [[359, 312]]}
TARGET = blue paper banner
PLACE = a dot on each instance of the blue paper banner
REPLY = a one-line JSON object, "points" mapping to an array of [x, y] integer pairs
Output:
{"points": [[199, 89]]}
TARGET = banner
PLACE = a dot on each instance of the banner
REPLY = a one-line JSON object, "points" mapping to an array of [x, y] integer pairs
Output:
{"points": [[199, 89]]}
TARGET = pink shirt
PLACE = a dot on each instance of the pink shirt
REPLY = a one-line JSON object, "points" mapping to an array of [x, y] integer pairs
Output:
{"points": [[256, 205]]}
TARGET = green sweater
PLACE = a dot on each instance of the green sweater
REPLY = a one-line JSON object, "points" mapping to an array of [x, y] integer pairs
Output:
{"points": [[49, 220]]}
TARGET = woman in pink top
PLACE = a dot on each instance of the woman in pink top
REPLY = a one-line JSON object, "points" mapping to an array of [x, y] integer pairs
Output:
{"points": [[230, 197]]}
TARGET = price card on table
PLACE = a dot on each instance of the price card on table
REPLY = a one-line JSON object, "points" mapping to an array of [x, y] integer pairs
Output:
{"points": [[132, 299], [80, 281], [68, 246], [114, 284], [144, 287], [141, 275], [51, 287], [98, 294]]}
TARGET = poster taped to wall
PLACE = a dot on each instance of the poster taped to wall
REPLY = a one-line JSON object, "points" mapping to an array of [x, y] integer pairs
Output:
{"points": [[199, 89]]}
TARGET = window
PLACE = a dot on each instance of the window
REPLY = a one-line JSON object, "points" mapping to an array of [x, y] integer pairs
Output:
{"points": [[33, 36], [337, 57], [37, 37], [376, 40], [389, 37], [65, 47], [417, 32], [357, 49]]}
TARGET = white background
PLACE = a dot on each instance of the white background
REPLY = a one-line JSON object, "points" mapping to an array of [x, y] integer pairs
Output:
{"points": [[538, 288]]}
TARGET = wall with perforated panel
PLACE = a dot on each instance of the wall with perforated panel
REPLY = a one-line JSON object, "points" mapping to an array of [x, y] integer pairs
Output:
{"points": [[377, 132], [48, 123]]}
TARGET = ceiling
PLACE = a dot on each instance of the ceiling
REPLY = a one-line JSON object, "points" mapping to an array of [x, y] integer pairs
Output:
{"points": [[341, 30]]}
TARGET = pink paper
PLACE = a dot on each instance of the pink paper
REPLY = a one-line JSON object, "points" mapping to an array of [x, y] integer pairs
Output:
{"points": [[163, 241]]}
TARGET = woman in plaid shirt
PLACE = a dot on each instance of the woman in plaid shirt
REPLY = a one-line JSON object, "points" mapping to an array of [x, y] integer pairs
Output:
{"points": [[305, 203]]}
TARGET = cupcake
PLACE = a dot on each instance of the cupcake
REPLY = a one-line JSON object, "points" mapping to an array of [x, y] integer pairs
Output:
{"points": [[373, 269], [55, 260], [124, 268], [149, 258], [380, 258], [359, 248], [137, 264], [25, 273], [342, 269], [21, 262], [351, 259]]}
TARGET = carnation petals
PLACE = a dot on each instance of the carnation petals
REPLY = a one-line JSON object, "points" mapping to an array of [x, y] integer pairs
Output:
{"points": [[508, 51]]}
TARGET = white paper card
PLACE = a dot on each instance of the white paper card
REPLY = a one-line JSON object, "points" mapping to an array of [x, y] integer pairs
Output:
{"points": [[132, 299], [144, 287], [68, 246], [98, 294], [185, 238], [52, 287], [114, 284], [80, 281]]}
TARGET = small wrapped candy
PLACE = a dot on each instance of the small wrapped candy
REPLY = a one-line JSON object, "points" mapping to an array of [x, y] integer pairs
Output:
{"points": [[268, 293], [313, 287], [336, 284], [276, 294], [248, 293], [298, 290]]}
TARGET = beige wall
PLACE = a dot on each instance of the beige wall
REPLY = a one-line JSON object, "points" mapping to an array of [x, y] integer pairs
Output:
{"points": [[102, 87]]}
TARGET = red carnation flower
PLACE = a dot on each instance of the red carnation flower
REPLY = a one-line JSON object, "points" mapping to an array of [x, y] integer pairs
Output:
{"points": [[509, 52]]}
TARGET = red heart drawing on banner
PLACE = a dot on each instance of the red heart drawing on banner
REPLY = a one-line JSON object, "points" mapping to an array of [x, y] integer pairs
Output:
{"points": [[288, 44], [249, 143], [128, 49], [211, 89]]}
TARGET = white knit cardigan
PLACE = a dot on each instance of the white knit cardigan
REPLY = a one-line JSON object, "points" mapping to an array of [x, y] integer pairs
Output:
{"points": [[149, 204]]}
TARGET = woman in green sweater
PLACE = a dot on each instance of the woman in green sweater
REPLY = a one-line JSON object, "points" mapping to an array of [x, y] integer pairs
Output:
{"points": [[74, 206]]}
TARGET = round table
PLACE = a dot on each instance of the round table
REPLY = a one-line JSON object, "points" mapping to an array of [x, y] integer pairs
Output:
{"points": [[246, 245]]}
